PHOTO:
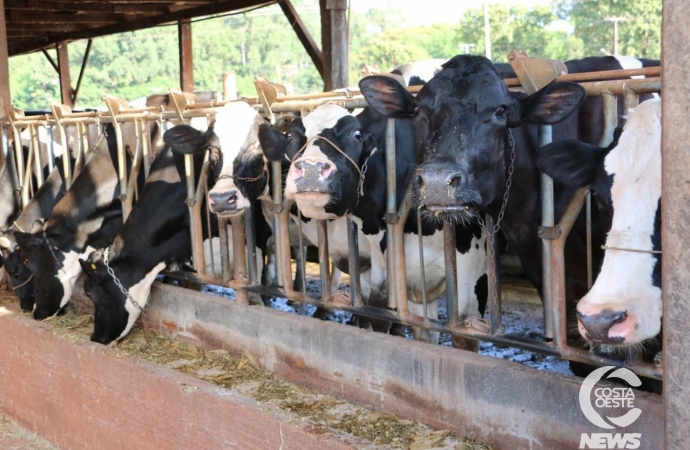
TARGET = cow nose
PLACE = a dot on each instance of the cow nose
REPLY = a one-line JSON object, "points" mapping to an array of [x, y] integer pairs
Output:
{"points": [[316, 169], [440, 184], [223, 201], [596, 326], [454, 179]]}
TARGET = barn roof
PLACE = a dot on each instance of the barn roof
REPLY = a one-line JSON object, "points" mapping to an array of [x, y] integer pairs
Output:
{"points": [[38, 24]]}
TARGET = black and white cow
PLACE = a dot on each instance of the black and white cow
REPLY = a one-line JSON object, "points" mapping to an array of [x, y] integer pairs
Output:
{"points": [[467, 125], [155, 234], [86, 218], [334, 153], [39, 207], [623, 307], [418, 72]]}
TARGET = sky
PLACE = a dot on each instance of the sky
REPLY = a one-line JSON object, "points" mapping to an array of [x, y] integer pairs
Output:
{"points": [[428, 12]]}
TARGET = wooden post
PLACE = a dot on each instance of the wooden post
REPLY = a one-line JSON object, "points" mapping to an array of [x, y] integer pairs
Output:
{"points": [[184, 28], [63, 71], [230, 86], [5, 98], [334, 43], [675, 223]]}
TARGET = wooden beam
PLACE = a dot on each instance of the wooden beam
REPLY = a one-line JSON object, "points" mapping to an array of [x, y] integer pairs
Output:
{"points": [[84, 62], [303, 34], [51, 61], [184, 33], [54, 5], [335, 43], [217, 7], [86, 18], [63, 69]]}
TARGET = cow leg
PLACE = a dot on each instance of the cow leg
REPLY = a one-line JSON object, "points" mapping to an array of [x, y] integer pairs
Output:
{"points": [[420, 334]]}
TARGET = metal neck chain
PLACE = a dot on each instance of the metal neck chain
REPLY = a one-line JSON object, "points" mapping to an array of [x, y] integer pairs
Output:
{"points": [[245, 179], [361, 172], [119, 285], [497, 226]]}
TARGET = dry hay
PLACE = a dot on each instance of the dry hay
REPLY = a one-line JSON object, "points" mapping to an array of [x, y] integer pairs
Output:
{"points": [[14, 437], [244, 374]]}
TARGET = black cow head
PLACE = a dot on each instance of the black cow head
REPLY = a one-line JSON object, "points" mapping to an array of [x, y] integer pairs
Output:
{"points": [[20, 277], [462, 119], [235, 155], [53, 267]]}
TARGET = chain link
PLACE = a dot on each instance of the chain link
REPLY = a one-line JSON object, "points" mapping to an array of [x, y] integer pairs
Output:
{"points": [[491, 233], [245, 179], [119, 285]]}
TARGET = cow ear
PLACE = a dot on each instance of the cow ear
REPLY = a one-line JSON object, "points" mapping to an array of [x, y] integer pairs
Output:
{"points": [[387, 96], [549, 105], [93, 266], [185, 139], [30, 241], [571, 162], [273, 143]]}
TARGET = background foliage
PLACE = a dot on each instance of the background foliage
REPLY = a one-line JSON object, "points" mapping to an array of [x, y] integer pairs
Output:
{"points": [[261, 42]]}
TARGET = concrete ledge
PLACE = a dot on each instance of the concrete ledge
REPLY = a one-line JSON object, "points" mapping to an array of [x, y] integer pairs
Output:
{"points": [[491, 400], [79, 397]]}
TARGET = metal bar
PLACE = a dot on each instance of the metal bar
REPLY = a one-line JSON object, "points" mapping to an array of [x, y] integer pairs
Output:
{"points": [[132, 182], [547, 220], [421, 262], [28, 183], [493, 280], [84, 62], [38, 160], [251, 245], [353, 257], [588, 206], [391, 207], [19, 157], [209, 233], [239, 257], [283, 235], [226, 268], [51, 149], [324, 262], [302, 261], [82, 148], [451, 265], [558, 288], [610, 108], [283, 272], [630, 101]]}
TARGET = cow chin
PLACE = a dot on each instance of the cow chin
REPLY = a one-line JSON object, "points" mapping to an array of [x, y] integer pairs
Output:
{"points": [[632, 328], [313, 204]]}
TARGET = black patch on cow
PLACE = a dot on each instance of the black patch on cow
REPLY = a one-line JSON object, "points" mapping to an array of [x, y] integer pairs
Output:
{"points": [[481, 290], [656, 245], [464, 235], [416, 81]]}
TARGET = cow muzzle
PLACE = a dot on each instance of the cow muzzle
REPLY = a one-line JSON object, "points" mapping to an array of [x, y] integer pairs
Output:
{"points": [[443, 187], [225, 203], [607, 326], [312, 176]]}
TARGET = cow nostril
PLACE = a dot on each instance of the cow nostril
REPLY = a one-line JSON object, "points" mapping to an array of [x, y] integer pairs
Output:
{"points": [[420, 181], [619, 317], [454, 179], [325, 170], [299, 164], [232, 196]]}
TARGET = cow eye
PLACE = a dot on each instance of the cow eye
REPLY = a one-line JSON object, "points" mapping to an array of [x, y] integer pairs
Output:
{"points": [[416, 110], [501, 111], [289, 136], [357, 135]]}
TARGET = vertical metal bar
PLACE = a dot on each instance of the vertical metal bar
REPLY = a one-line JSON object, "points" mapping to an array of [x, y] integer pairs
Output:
{"points": [[547, 220], [283, 239], [324, 262], [194, 219], [390, 210], [82, 145], [51, 148], [630, 101], [494, 280], [451, 272], [251, 246], [421, 261], [224, 249], [66, 163], [38, 160], [209, 233], [588, 207], [276, 180], [27, 179], [146, 147], [303, 256], [353, 256], [610, 105], [239, 257]]}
